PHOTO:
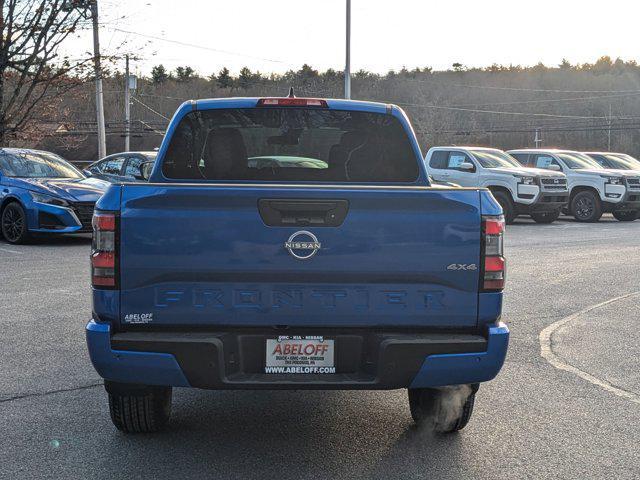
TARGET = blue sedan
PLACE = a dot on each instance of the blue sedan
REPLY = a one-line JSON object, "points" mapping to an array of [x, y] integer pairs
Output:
{"points": [[41, 193]]}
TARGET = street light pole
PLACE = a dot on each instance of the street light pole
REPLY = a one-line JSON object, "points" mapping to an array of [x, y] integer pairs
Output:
{"points": [[347, 66], [127, 107], [102, 141]]}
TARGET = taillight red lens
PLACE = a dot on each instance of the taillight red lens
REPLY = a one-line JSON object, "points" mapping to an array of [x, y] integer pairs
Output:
{"points": [[493, 262], [103, 260], [104, 250], [104, 222], [494, 225], [292, 102]]}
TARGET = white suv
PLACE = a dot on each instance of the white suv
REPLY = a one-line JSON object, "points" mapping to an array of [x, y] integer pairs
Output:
{"points": [[519, 190], [593, 190]]}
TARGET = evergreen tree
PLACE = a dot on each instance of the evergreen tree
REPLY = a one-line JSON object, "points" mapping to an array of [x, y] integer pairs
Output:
{"points": [[159, 74], [184, 74], [224, 78], [245, 77], [565, 64]]}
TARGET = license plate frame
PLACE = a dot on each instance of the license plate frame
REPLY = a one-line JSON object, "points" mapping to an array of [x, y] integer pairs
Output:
{"points": [[299, 354]]}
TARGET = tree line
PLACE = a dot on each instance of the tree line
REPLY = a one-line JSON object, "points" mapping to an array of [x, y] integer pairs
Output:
{"points": [[585, 106], [247, 78]]}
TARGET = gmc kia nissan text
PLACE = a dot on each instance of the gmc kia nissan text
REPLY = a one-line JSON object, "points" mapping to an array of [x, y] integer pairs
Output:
{"points": [[519, 190], [593, 190], [291, 243]]}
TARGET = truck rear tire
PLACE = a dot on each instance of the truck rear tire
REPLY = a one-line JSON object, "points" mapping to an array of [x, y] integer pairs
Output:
{"points": [[545, 217], [586, 206], [140, 412], [505, 201], [445, 409], [627, 216]]}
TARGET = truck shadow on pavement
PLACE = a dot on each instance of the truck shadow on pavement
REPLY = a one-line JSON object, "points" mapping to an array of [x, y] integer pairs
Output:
{"points": [[289, 434]]}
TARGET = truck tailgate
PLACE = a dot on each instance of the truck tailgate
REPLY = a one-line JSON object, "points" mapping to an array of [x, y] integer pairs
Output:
{"points": [[202, 255]]}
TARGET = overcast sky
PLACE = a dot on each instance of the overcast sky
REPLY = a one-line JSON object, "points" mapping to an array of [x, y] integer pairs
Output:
{"points": [[278, 35]]}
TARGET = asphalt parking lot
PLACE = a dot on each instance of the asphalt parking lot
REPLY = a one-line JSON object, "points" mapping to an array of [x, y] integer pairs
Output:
{"points": [[566, 405]]}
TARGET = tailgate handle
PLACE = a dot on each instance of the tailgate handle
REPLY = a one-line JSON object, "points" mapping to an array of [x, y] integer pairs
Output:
{"points": [[277, 212]]}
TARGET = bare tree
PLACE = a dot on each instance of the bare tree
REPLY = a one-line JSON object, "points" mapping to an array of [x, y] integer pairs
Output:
{"points": [[33, 72]]}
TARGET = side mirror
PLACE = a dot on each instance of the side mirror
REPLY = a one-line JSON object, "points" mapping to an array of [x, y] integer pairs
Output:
{"points": [[467, 167], [88, 173], [554, 167]]}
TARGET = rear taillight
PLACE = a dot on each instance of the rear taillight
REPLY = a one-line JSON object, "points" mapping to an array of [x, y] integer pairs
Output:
{"points": [[292, 102], [104, 251], [493, 263]]}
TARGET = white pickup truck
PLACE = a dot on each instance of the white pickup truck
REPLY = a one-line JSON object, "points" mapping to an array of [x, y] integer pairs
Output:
{"points": [[593, 190], [519, 190]]}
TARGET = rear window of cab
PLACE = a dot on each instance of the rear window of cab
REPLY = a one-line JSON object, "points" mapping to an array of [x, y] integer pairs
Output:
{"points": [[290, 144]]}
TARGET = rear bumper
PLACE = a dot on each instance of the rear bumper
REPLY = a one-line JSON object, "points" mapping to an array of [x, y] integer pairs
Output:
{"points": [[235, 360]]}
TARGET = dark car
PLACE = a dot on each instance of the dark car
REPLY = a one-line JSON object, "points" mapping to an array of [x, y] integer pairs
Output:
{"points": [[42, 193], [122, 167]]}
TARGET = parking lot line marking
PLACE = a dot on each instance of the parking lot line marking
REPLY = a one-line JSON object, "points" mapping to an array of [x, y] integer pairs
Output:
{"points": [[10, 251], [547, 353]]}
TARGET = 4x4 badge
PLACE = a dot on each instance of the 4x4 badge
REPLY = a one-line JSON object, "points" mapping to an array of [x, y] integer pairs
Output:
{"points": [[462, 266]]}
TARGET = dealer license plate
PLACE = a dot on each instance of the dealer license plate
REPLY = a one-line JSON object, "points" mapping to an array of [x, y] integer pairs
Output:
{"points": [[293, 354]]}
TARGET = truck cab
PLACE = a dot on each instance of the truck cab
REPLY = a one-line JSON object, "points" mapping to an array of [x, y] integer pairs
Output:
{"points": [[520, 190], [292, 243], [593, 190]]}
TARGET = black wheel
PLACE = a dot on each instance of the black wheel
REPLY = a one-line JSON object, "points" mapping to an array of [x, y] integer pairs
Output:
{"points": [[14, 224], [445, 409], [140, 411], [545, 217], [586, 207], [505, 201], [627, 216]]}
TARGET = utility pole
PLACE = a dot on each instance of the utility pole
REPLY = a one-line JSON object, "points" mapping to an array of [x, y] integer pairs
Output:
{"points": [[102, 141], [127, 106], [537, 140], [347, 66], [609, 132]]}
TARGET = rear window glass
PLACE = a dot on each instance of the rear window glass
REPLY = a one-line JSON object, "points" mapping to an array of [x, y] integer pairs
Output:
{"points": [[290, 144]]}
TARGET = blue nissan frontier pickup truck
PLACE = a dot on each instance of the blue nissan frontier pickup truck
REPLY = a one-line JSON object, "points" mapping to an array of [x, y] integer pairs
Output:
{"points": [[295, 243]]}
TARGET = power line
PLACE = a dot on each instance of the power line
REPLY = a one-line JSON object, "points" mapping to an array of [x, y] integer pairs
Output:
{"points": [[586, 128], [495, 112], [202, 47], [149, 108], [158, 132], [521, 89], [549, 100], [182, 99]]}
